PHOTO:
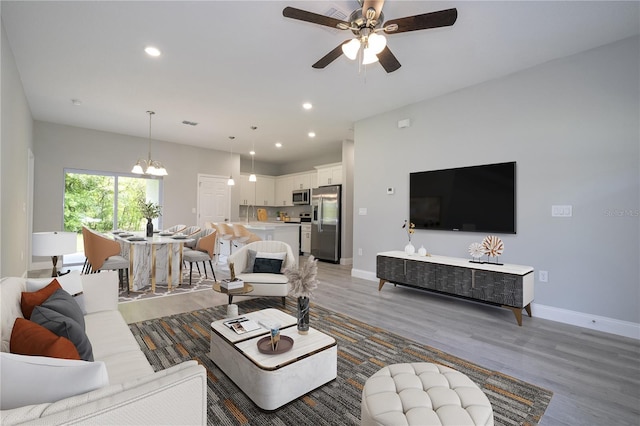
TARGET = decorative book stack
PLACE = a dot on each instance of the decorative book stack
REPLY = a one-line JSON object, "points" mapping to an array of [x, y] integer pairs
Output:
{"points": [[232, 284]]}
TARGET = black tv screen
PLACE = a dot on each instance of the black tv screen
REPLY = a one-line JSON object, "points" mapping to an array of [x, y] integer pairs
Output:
{"points": [[472, 199]]}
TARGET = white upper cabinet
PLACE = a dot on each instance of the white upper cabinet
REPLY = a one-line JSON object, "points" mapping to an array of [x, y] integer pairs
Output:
{"points": [[284, 188], [330, 174], [265, 191], [247, 190]]}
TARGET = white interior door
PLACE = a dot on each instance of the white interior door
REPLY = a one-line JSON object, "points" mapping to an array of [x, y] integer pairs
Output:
{"points": [[213, 199]]}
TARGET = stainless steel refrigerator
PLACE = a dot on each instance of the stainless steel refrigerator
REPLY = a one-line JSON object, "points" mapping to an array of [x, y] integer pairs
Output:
{"points": [[325, 222]]}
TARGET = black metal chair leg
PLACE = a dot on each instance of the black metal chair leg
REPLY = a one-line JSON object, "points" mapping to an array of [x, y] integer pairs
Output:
{"points": [[197, 266], [191, 272], [212, 271], [204, 266], [284, 301]]}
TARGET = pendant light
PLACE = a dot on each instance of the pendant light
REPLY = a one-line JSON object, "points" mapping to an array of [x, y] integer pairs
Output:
{"points": [[252, 176], [149, 166], [231, 182]]}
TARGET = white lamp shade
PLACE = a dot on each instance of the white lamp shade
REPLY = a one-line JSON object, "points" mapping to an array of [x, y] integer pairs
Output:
{"points": [[137, 169], [252, 178], [53, 243], [369, 57], [231, 182], [350, 49], [377, 42]]}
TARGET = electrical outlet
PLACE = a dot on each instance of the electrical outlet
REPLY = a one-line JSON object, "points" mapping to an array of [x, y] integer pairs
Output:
{"points": [[543, 276], [359, 252]]}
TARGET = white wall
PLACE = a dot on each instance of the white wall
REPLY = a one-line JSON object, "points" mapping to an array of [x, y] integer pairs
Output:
{"points": [[57, 147], [16, 140], [572, 126]]}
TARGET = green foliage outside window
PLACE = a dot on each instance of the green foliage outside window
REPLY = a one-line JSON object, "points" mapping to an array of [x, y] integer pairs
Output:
{"points": [[89, 200]]}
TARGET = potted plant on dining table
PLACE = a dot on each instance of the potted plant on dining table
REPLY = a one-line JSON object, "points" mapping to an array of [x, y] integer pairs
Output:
{"points": [[149, 211]]}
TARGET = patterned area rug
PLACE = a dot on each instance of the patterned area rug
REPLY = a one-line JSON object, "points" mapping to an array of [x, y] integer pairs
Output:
{"points": [[362, 350], [198, 283]]}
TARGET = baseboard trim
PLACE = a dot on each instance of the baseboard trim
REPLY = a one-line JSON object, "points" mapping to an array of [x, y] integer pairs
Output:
{"points": [[580, 319], [592, 322]]}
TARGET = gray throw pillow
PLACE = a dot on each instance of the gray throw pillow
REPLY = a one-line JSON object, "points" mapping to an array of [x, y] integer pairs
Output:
{"points": [[251, 259], [265, 265], [66, 327], [65, 304]]}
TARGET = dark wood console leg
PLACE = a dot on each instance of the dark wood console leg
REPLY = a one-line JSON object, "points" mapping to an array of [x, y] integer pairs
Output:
{"points": [[528, 309], [517, 312], [382, 281]]}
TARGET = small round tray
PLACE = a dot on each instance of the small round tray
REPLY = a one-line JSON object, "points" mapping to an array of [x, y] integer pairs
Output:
{"points": [[285, 344]]}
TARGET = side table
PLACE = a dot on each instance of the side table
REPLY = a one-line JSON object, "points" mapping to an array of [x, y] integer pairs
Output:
{"points": [[246, 289]]}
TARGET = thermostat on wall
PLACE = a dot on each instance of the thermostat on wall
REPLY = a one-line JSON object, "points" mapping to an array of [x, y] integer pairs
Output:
{"points": [[390, 190]]}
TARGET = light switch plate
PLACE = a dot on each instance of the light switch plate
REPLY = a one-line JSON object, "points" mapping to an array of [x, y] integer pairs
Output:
{"points": [[362, 211]]}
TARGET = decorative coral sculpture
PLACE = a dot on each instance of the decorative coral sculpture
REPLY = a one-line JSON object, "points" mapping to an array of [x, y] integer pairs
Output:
{"points": [[493, 246], [303, 281]]}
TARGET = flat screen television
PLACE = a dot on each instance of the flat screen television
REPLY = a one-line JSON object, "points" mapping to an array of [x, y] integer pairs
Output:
{"points": [[470, 199]]}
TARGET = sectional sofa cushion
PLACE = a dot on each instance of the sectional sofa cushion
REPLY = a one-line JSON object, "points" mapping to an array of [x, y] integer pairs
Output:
{"points": [[27, 380], [71, 283], [29, 338]]}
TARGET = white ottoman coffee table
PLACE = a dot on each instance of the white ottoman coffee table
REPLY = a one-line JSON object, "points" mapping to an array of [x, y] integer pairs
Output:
{"points": [[272, 380], [423, 394]]}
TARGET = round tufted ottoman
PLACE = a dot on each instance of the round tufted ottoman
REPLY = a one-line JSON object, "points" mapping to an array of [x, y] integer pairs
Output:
{"points": [[423, 394]]}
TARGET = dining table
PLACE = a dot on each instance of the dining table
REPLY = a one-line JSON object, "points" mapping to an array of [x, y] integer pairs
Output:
{"points": [[152, 260]]}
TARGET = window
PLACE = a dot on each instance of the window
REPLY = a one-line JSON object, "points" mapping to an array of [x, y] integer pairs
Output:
{"points": [[105, 201]]}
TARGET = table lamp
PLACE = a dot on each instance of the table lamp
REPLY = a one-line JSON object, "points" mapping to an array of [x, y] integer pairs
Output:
{"points": [[53, 244]]}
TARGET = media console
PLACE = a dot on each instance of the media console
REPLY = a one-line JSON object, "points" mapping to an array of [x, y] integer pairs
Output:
{"points": [[508, 286]]}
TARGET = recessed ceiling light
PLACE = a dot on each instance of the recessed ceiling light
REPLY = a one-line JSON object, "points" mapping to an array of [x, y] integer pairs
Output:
{"points": [[307, 105], [152, 51], [312, 134], [278, 145]]}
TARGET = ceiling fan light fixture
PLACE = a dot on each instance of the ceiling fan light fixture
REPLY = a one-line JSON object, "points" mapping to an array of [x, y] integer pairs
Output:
{"points": [[377, 42], [369, 56], [351, 48], [137, 168]]}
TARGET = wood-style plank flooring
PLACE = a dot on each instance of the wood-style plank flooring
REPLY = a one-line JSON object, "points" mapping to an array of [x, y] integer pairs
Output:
{"points": [[595, 376]]}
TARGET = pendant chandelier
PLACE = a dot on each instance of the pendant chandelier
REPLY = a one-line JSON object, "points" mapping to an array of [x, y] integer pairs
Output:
{"points": [[149, 166], [252, 176]]}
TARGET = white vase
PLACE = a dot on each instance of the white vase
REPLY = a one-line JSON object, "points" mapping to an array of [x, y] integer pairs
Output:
{"points": [[422, 251], [409, 248]]}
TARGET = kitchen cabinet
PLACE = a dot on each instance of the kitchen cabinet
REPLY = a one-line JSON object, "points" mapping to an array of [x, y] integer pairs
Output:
{"points": [[330, 174], [302, 181], [283, 189], [247, 190], [265, 191], [305, 243]]}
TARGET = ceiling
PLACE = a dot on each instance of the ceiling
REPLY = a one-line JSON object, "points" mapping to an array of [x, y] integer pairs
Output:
{"points": [[229, 65]]}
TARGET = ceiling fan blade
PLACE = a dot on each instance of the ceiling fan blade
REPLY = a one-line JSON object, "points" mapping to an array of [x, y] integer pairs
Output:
{"points": [[330, 57], [388, 60], [374, 4], [442, 18], [314, 18]]}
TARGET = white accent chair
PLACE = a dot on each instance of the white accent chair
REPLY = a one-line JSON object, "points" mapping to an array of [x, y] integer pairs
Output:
{"points": [[264, 284]]}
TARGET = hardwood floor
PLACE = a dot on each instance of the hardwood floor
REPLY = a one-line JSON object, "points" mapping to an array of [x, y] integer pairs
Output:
{"points": [[595, 376]]}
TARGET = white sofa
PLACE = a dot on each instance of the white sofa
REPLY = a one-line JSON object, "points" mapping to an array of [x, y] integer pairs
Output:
{"points": [[134, 393], [264, 284]]}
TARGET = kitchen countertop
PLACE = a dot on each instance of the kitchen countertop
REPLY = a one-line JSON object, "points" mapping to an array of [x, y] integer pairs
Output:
{"points": [[264, 226]]}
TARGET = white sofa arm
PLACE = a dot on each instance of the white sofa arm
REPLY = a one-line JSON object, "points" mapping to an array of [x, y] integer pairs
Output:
{"points": [[177, 395], [100, 291]]}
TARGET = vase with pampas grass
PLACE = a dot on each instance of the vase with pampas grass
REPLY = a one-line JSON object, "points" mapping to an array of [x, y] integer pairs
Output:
{"points": [[302, 282]]}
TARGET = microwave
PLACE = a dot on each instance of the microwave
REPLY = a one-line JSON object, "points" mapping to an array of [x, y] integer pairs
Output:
{"points": [[301, 196]]}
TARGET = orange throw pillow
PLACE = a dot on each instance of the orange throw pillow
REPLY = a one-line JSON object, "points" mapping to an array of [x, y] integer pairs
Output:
{"points": [[32, 299], [29, 338]]}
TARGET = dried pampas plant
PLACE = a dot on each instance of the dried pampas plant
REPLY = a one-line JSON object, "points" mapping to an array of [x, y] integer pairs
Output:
{"points": [[302, 282]]}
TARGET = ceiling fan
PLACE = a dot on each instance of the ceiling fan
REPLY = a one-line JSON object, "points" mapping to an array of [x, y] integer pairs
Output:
{"points": [[366, 24]]}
